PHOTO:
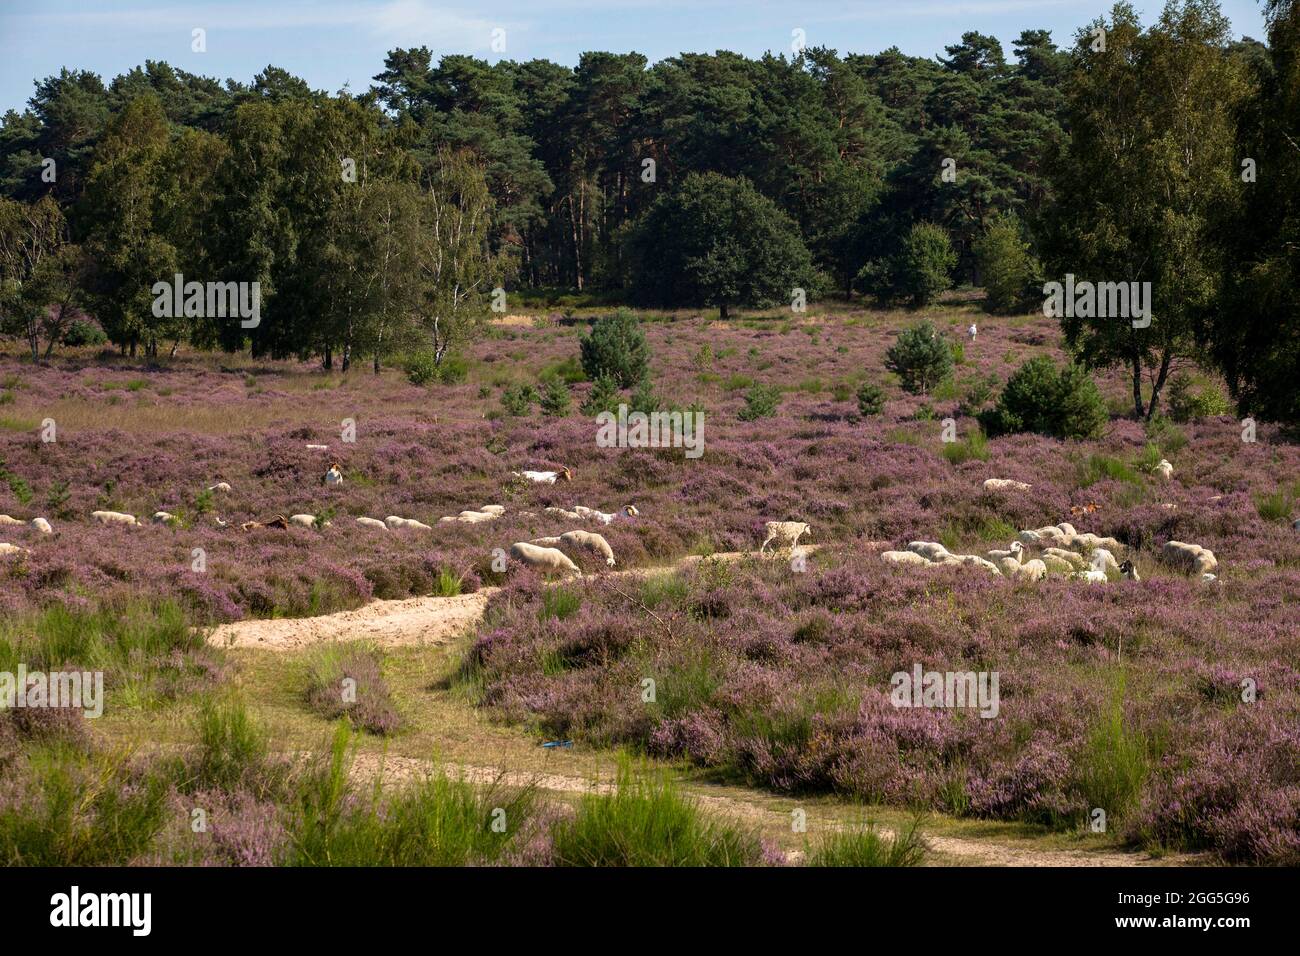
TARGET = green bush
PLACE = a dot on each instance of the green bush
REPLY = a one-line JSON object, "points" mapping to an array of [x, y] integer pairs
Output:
{"points": [[84, 333], [918, 272], [1187, 403], [555, 400], [603, 397], [421, 369], [920, 357], [1006, 264], [517, 400], [616, 348], [871, 399], [761, 401], [1039, 397]]}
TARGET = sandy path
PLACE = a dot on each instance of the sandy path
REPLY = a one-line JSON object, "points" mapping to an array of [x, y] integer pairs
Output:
{"points": [[411, 621], [423, 620], [397, 769]]}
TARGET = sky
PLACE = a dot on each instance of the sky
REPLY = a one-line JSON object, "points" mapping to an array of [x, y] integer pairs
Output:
{"points": [[337, 43]]}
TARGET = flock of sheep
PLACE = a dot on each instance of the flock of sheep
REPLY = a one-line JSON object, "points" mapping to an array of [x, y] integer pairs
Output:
{"points": [[1060, 549]]}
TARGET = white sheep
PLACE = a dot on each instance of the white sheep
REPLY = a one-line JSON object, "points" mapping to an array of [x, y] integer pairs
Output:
{"points": [[308, 521], [545, 477], [163, 517], [1058, 565], [903, 557], [318, 447], [219, 486], [627, 511], [783, 533], [544, 559], [972, 331], [1016, 551], [1164, 469], [1005, 484], [395, 521], [1073, 559], [113, 517], [563, 513], [12, 549], [1091, 542], [333, 476], [973, 560], [584, 540], [1190, 557], [471, 517], [930, 550], [1104, 559], [40, 524], [1034, 570], [493, 509], [374, 523], [1096, 574]]}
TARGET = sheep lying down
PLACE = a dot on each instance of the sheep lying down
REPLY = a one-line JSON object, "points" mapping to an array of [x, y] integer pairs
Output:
{"points": [[546, 560], [579, 540]]}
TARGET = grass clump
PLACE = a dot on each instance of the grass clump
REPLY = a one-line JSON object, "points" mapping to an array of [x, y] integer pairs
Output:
{"points": [[864, 845], [645, 821]]}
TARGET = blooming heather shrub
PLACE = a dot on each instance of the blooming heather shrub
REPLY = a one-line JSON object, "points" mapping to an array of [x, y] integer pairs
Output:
{"points": [[348, 681]]}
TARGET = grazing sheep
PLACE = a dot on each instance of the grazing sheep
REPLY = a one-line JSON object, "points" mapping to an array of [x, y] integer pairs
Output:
{"points": [[318, 447], [1190, 557], [113, 517], [374, 523], [308, 521], [1096, 574], [1005, 484], [12, 549], [1016, 551], [1076, 561], [394, 522], [545, 477], [930, 550], [219, 486], [1102, 558], [219, 521], [493, 509], [972, 560], [40, 524], [1164, 469], [471, 517], [1129, 570], [544, 559], [583, 540], [627, 511], [1057, 565], [1034, 570], [784, 533], [903, 557], [333, 476], [1208, 578], [562, 513], [163, 517], [1090, 542]]}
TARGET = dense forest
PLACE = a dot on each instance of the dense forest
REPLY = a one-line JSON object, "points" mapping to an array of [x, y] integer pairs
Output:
{"points": [[376, 220]]}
